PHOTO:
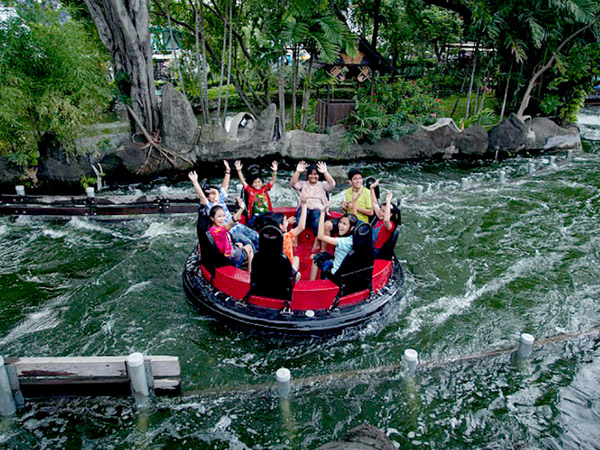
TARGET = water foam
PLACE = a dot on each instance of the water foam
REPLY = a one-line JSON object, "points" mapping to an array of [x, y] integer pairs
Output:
{"points": [[45, 319], [445, 307]]}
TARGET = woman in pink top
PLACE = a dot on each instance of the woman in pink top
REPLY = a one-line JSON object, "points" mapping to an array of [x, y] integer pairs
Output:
{"points": [[315, 190]]}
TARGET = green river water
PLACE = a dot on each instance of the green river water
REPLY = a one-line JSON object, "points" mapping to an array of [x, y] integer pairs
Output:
{"points": [[482, 266]]}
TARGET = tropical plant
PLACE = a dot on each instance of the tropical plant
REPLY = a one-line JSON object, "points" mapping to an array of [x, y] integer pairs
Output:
{"points": [[53, 78], [389, 110]]}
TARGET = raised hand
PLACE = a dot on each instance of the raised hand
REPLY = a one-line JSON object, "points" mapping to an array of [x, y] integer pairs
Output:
{"points": [[322, 167], [388, 196], [326, 207], [240, 203], [374, 185], [274, 166], [226, 164], [238, 165], [356, 196], [193, 176], [303, 199], [301, 167]]}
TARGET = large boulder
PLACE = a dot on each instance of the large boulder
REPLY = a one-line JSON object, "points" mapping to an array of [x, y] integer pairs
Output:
{"points": [[511, 134], [10, 173], [299, 144], [410, 146], [472, 141], [179, 122], [55, 165], [548, 135], [518, 133], [362, 437]]}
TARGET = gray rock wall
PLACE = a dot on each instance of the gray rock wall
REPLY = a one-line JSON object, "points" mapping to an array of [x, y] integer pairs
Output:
{"points": [[191, 143]]}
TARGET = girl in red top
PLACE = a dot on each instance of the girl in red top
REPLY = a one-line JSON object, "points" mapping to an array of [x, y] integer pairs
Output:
{"points": [[259, 201], [238, 253], [384, 226]]}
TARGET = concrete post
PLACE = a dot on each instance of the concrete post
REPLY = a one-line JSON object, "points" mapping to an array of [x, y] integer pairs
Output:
{"points": [[20, 190], [7, 401], [526, 345], [137, 374]]}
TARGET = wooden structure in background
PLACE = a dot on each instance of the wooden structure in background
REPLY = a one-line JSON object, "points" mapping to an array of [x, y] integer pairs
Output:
{"points": [[360, 68]]}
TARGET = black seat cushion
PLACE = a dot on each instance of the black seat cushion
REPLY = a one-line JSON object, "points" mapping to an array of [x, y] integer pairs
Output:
{"points": [[356, 271]]}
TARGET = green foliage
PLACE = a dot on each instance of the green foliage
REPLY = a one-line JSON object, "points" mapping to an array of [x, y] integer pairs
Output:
{"points": [[390, 110], [87, 181], [53, 79]]}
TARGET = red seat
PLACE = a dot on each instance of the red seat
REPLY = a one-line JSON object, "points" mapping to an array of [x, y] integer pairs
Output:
{"points": [[232, 281], [317, 294], [382, 269]]}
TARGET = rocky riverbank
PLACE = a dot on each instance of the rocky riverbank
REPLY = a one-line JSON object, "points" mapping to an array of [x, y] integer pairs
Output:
{"points": [[111, 152]]}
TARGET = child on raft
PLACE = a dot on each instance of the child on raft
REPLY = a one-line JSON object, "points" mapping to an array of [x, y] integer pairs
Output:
{"points": [[357, 201], [386, 218], [238, 253], [259, 201], [326, 262], [315, 190], [290, 236], [213, 196]]}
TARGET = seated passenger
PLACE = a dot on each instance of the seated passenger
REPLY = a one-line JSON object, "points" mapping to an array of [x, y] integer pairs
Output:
{"points": [[238, 254], [326, 262], [315, 190], [259, 201], [357, 201], [213, 196], [386, 218], [290, 236]]}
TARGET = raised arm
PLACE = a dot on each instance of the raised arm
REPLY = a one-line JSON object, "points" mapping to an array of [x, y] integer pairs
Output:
{"points": [[374, 197], [387, 212], [227, 176], [237, 215], [321, 233], [238, 167], [193, 176], [274, 166], [302, 222], [322, 168], [301, 167]]}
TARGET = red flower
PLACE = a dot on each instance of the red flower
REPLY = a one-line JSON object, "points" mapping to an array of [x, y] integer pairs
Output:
{"points": [[438, 100]]}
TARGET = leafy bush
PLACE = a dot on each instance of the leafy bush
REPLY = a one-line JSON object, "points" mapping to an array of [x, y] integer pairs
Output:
{"points": [[390, 110]]}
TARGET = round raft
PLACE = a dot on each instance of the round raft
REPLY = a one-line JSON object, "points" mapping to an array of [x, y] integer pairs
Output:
{"points": [[271, 300]]}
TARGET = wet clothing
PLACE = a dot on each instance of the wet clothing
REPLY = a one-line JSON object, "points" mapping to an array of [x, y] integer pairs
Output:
{"points": [[259, 201], [381, 234], [316, 194], [328, 263], [364, 202], [224, 243], [239, 232], [288, 245], [222, 239]]}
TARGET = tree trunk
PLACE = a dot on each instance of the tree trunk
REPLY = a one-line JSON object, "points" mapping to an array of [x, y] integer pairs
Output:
{"points": [[505, 93], [294, 84], [281, 87], [173, 51], [228, 63], [472, 79], [223, 51], [541, 70], [376, 20], [123, 29], [204, 64], [203, 107], [306, 98]]}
